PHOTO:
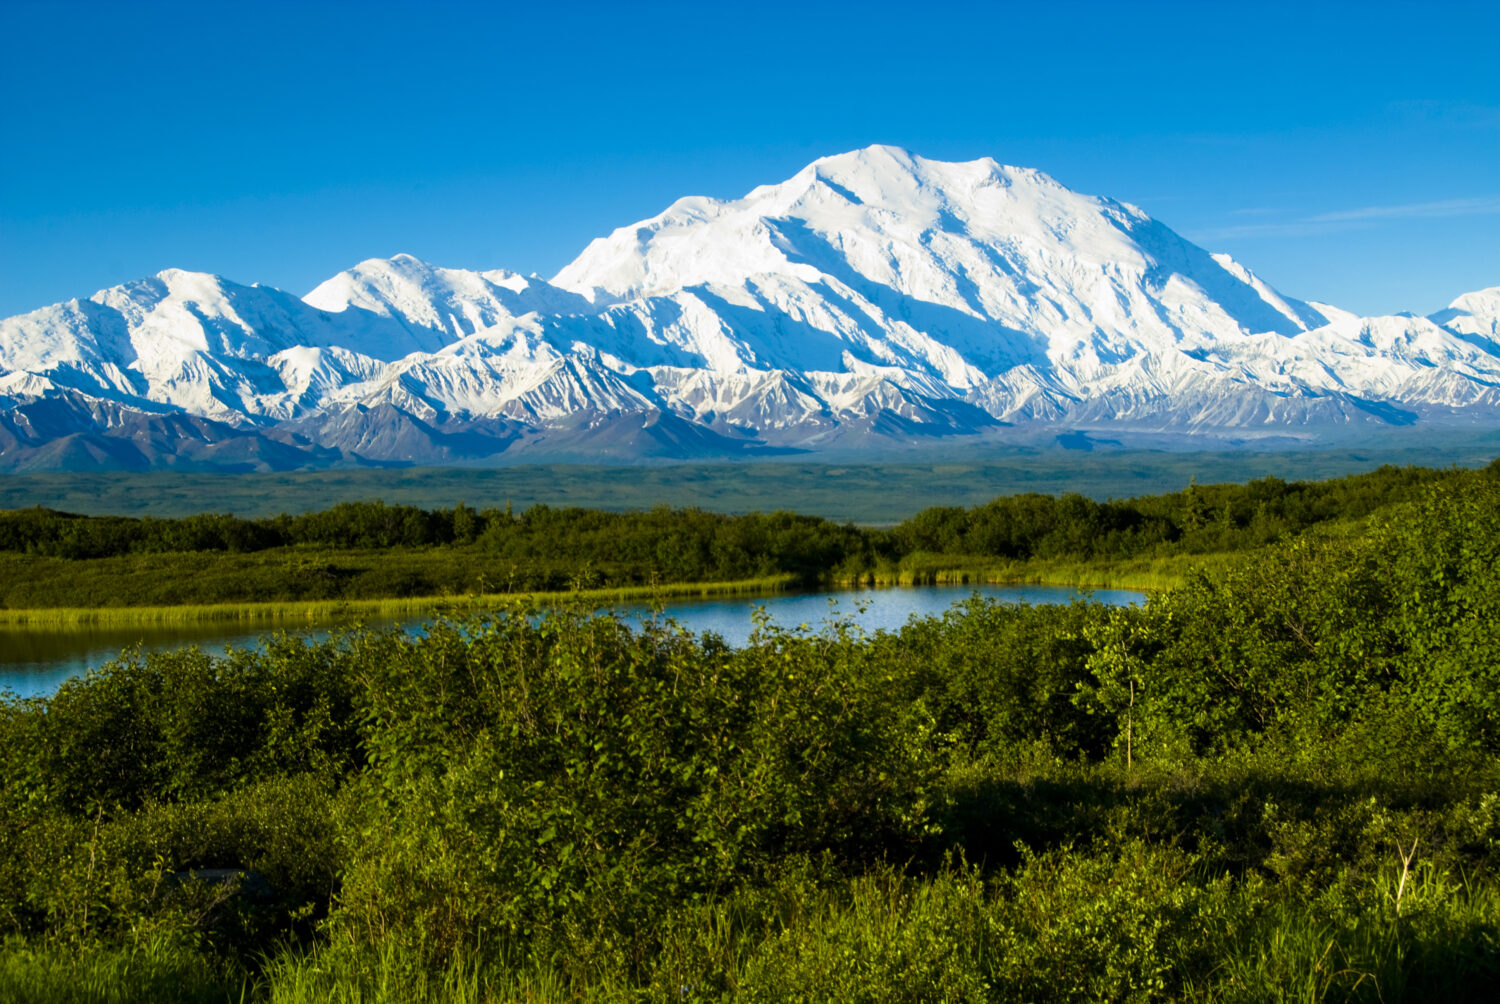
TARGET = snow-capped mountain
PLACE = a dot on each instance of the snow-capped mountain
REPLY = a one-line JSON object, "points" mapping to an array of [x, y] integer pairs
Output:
{"points": [[875, 297]]}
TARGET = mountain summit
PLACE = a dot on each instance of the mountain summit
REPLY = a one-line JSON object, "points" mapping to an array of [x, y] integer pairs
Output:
{"points": [[873, 298]]}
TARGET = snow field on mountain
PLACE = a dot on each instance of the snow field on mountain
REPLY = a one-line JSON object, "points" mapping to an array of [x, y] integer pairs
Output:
{"points": [[948, 298]]}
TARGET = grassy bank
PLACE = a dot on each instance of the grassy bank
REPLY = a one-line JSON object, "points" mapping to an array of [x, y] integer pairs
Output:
{"points": [[340, 611], [1143, 574], [1146, 575]]}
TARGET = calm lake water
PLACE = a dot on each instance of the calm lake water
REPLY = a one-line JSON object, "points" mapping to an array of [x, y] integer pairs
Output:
{"points": [[37, 662]]}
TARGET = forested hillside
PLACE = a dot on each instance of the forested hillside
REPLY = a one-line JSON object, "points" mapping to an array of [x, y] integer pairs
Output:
{"points": [[1278, 780]]}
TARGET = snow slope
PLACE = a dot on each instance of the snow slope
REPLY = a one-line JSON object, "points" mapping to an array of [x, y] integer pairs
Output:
{"points": [[875, 296]]}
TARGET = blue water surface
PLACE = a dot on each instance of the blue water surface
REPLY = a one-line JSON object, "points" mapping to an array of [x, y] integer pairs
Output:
{"points": [[37, 662]]}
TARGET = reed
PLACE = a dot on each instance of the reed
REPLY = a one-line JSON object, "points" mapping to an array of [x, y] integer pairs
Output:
{"points": [[338, 611], [1144, 574]]}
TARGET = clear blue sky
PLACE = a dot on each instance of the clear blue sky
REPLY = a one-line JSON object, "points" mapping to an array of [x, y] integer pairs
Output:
{"points": [[1347, 152]]}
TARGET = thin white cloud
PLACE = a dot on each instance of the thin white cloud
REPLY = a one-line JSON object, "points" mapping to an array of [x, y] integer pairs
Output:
{"points": [[1414, 210], [1343, 219], [1290, 228]]}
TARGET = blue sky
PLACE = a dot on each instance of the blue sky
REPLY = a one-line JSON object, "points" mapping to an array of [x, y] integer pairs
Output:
{"points": [[1347, 152]]}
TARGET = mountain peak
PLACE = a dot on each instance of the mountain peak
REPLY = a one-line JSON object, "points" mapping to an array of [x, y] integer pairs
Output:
{"points": [[176, 278], [875, 157], [873, 293], [878, 210], [903, 171], [433, 302], [1475, 315]]}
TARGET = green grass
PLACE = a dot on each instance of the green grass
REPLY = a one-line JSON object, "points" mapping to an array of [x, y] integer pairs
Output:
{"points": [[149, 973], [385, 976], [1143, 574], [1137, 922], [331, 611]]}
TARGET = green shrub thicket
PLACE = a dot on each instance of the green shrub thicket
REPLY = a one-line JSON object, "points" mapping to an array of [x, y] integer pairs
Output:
{"points": [[1278, 781]]}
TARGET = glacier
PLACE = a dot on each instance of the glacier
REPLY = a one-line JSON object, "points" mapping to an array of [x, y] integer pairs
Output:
{"points": [[873, 299]]}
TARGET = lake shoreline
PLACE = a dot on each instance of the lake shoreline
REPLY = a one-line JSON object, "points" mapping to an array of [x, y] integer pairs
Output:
{"points": [[1143, 576], [36, 659], [314, 612]]}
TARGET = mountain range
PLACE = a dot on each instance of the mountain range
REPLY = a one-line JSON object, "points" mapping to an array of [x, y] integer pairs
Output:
{"points": [[875, 299]]}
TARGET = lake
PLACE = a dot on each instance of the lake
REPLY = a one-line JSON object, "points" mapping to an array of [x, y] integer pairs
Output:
{"points": [[34, 662]]}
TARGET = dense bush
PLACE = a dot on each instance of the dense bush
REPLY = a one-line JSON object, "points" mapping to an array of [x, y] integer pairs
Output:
{"points": [[528, 778], [1393, 630], [676, 545], [1281, 780], [183, 724]]}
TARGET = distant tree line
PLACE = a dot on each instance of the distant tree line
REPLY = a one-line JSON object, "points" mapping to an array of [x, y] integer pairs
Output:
{"points": [[689, 543]]}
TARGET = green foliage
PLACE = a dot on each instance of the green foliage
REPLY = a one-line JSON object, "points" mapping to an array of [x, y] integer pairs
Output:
{"points": [[370, 550], [159, 972], [881, 938], [1120, 925], [183, 724], [1279, 780], [523, 774], [1388, 632], [1440, 565], [1201, 519], [1000, 679], [270, 848]]}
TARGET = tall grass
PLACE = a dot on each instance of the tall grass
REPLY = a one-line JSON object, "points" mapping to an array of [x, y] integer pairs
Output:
{"points": [[156, 972], [1146, 574], [334, 611], [1069, 926], [383, 976], [1429, 937], [1135, 921]]}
